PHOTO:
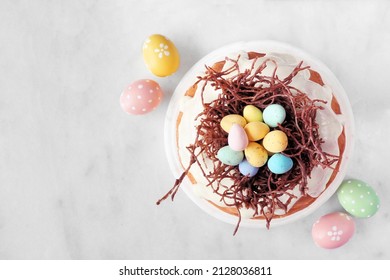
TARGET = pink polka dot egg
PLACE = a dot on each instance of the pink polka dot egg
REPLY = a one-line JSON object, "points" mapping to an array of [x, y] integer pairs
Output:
{"points": [[141, 97], [333, 230]]}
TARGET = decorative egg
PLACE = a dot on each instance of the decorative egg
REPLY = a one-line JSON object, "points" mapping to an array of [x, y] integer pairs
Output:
{"points": [[333, 230], [274, 114], [141, 97], [160, 55], [252, 114], [358, 198], [237, 138], [229, 120], [255, 154], [247, 169], [256, 130], [279, 164], [275, 141], [230, 157]]}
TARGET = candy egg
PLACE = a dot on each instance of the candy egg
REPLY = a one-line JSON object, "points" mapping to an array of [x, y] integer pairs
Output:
{"points": [[160, 55], [274, 114], [237, 138], [229, 120], [141, 97], [256, 130], [333, 230], [358, 198], [279, 164], [230, 157], [247, 169], [252, 114], [255, 154], [275, 141]]}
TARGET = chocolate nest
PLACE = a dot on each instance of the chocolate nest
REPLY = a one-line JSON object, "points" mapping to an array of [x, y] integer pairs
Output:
{"points": [[262, 192]]}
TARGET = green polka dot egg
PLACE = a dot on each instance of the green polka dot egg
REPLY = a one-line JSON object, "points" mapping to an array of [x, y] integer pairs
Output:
{"points": [[358, 198]]}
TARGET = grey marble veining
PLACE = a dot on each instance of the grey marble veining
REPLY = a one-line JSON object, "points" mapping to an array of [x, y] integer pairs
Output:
{"points": [[79, 178]]}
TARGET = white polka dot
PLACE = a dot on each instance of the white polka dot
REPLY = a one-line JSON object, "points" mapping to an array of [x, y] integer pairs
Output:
{"points": [[351, 191], [349, 182], [362, 210], [140, 86], [377, 206], [148, 81], [361, 196], [329, 233], [371, 203], [353, 201], [159, 98], [143, 110], [359, 185], [139, 96], [368, 216], [156, 88], [368, 193], [151, 91], [342, 191], [352, 210], [334, 228], [340, 232], [338, 238], [128, 96], [150, 101], [133, 108]]}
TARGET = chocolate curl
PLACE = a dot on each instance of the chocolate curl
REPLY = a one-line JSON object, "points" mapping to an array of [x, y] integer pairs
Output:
{"points": [[172, 192]]}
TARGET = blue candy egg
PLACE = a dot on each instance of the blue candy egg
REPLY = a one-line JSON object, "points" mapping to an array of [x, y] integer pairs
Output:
{"points": [[247, 169], [274, 114], [279, 164]]}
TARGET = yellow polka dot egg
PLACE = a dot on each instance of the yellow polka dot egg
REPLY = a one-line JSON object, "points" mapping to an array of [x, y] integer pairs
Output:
{"points": [[160, 55]]}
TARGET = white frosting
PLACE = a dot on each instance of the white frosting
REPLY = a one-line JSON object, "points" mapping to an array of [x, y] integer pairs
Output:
{"points": [[330, 125]]}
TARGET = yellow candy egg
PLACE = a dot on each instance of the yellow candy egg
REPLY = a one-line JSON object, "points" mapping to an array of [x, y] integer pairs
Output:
{"points": [[252, 114], [229, 120], [160, 55], [275, 141], [255, 154], [256, 130]]}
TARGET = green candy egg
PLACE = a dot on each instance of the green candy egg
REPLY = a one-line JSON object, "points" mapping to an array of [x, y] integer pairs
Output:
{"points": [[230, 157], [358, 198]]}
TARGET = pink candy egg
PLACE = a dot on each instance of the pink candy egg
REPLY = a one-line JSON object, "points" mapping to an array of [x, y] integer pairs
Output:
{"points": [[237, 139], [141, 97], [333, 230]]}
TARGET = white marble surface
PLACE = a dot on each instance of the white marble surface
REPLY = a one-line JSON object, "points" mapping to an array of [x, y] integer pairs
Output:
{"points": [[79, 178]]}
